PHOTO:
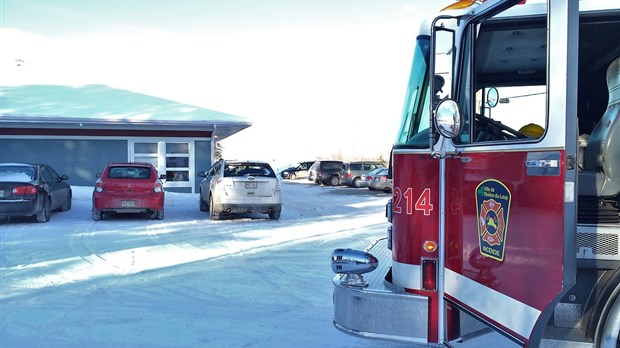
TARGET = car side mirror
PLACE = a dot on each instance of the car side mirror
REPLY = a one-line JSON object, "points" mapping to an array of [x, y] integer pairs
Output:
{"points": [[64, 177], [162, 176], [98, 175]]}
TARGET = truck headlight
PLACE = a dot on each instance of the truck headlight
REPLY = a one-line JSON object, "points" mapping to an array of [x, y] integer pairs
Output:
{"points": [[353, 263]]}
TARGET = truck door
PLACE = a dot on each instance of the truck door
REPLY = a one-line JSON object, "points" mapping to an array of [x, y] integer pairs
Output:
{"points": [[507, 178]]}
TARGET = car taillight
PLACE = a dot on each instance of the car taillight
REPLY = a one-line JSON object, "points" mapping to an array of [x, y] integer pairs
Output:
{"points": [[222, 184], [429, 274], [99, 186], [25, 190], [157, 188]]}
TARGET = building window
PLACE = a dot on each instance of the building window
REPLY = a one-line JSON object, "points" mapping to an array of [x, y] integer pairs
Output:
{"points": [[146, 152], [170, 157]]}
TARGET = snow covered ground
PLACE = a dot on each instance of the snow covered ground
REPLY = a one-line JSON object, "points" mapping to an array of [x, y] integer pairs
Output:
{"points": [[186, 281]]}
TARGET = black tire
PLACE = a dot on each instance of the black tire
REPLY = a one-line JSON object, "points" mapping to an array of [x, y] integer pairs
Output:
{"points": [[45, 213], [275, 215], [334, 180], [608, 327], [203, 206], [212, 214], [158, 215], [97, 215], [356, 183], [67, 205]]}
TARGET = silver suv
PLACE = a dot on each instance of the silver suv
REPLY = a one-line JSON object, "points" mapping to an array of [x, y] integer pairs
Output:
{"points": [[237, 187]]}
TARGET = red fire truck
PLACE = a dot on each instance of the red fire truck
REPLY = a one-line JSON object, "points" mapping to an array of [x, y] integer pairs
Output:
{"points": [[505, 210]]}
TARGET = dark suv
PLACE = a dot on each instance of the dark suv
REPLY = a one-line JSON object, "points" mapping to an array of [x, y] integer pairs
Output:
{"points": [[353, 171], [326, 172]]}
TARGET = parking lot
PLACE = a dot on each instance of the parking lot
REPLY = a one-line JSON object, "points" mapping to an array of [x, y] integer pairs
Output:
{"points": [[185, 281], [130, 281]]}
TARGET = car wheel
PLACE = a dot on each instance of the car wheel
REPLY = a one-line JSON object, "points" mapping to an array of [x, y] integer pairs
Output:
{"points": [[356, 183], [212, 214], [274, 215], [292, 176], [44, 214], [203, 206], [67, 205], [97, 215], [159, 215], [334, 180]]}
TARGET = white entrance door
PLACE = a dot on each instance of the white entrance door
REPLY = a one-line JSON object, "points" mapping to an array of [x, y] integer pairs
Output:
{"points": [[171, 157]]}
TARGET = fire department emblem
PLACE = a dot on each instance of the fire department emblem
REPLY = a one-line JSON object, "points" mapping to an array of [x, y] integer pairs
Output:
{"points": [[493, 207]]}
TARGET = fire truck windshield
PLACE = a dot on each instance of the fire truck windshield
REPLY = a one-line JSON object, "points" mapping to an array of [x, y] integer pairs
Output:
{"points": [[415, 123]]}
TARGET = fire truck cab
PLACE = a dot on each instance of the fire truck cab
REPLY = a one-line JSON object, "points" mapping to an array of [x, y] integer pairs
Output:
{"points": [[505, 210]]}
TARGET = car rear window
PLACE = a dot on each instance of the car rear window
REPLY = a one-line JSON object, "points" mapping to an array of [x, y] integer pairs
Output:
{"points": [[248, 169], [332, 165], [129, 173], [17, 173]]}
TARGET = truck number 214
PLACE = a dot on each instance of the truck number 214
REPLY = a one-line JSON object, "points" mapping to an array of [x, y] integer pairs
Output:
{"points": [[423, 203]]}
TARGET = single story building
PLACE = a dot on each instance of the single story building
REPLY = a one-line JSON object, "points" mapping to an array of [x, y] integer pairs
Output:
{"points": [[78, 130]]}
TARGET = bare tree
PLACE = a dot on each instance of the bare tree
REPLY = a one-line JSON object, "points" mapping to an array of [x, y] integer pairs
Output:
{"points": [[382, 160]]}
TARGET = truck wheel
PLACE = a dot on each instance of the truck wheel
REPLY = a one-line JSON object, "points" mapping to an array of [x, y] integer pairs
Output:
{"points": [[608, 327]]}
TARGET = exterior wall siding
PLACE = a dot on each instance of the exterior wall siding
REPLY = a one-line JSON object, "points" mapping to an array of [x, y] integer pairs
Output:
{"points": [[80, 159], [202, 160]]}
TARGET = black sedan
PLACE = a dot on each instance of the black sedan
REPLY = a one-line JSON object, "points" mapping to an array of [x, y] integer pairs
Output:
{"points": [[32, 190]]}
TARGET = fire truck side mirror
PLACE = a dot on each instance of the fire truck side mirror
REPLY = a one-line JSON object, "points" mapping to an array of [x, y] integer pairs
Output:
{"points": [[448, 118]]}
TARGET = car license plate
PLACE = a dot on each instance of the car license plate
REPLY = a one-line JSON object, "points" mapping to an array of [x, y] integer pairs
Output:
{"points": [[128, 204], [250, 185]]}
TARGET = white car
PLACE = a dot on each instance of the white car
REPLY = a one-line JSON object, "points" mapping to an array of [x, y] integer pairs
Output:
{"points": [[237, 187]]}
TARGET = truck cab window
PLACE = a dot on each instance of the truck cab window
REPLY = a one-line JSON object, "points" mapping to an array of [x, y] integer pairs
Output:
{"points": [[415, 121], [519, 113], [510, 61]]}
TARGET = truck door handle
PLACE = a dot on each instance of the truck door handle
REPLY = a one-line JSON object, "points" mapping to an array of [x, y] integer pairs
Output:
{"points": [[541, 163]]}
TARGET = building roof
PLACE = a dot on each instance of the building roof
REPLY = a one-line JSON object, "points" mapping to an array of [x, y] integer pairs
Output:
{"points": [[99, 107]]}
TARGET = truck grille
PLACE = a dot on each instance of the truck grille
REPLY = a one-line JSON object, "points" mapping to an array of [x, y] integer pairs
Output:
{"points": [[599, 243]]}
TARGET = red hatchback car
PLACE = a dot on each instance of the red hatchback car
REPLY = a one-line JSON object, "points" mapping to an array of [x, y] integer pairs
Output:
{"points": [[129, 188]]}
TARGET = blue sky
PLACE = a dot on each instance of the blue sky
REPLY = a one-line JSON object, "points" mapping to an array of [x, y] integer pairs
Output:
{"points": [[316, 78]]}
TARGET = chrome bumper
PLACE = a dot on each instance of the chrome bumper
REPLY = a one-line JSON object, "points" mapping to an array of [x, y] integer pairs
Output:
{"points": [[380, 310]]}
